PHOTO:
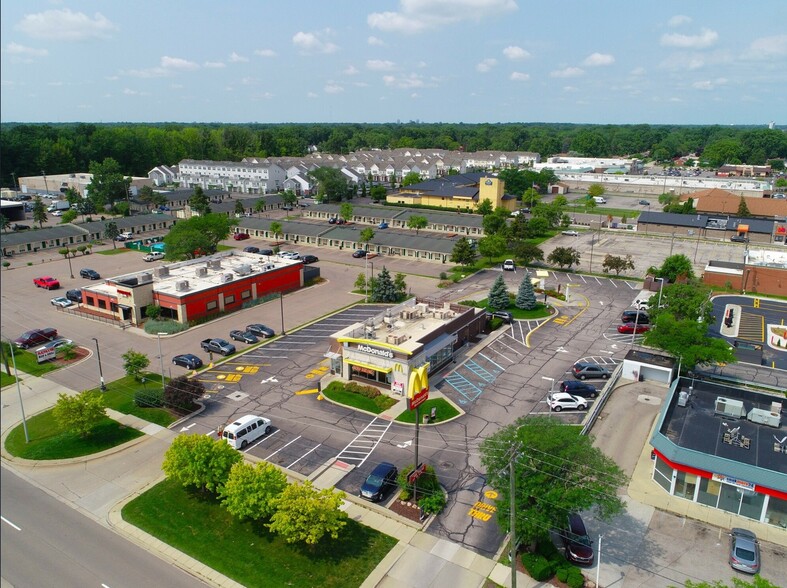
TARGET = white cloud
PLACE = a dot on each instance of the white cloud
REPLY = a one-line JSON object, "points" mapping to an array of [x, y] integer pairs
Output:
{"points": [[167, 67], [23, 53], [130, 92], [638, 71], [767, 48], [709, 84], [705, 39], [372, 40], [235, 58], [249, 81], [312, 95], [515, 53], [418, 16], [567, 72], [265, 52], [312, 43], [379, 65], [331, 88], [176, 63], [404, 82], [415, 95], [517, 76], [214, 64], [678, 19], [351, 70], [486, 65], [570, 89], [597, 59], [263, 96], [65, 25]]}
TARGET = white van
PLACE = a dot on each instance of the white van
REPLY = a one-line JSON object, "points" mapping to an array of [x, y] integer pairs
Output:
{"points": [[245, 430], [600, 199]]}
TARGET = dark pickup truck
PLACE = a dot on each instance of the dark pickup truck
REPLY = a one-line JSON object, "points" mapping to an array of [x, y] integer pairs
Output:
{"points": [[219, 346]]}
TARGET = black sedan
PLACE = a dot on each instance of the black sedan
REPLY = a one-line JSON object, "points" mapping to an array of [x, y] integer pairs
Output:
{"points": [[380, 481], [244, 336], [259, 329], [251, 249], [309, 259], [359, 253], [188, 361], [90, 274]]}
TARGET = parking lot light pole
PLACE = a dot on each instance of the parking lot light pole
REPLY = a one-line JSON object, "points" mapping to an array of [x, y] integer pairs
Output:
{"points": [[661, 287], [19, 391], [68, 257], [552, 383], [100, 372], [281, 305], [161, 359]]}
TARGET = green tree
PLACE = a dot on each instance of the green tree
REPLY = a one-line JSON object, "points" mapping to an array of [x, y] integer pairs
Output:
{"points": [[260, 205], [276, 230], [757, 581], [526, 296], [526, 253], [410, 179], [39, 212], [498, 295], [676, 267], [199, 202], [111, 231], [331, 184], [492, 246], [80, 413], [251, 491], [537, 227], [198, 235], [182, 393], [617, 263], [546, 451], [485, 207], [108, 184], [596, 190], [531, 197], [360, 282], [417, 222], [495, 223], [400, 285], [289, 197], [346, 211], [564, 256], [197, 461], [306, 514], [366, 236], [146, 196], [134, 363], [239, 209], [689, 340], [743, 209], [69, 216], [383, 289], [463, 253], [684, 302], [378, 193]]}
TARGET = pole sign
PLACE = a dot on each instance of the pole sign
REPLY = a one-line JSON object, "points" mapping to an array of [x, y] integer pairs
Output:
{"points": [[416, 473], [43, 355], [418, 389]]}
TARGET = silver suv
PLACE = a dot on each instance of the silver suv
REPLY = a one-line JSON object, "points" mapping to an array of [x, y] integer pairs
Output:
{"points": [[583, 371]]}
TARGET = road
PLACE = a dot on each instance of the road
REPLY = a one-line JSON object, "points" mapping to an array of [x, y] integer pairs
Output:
{"points": [[44, 542]]}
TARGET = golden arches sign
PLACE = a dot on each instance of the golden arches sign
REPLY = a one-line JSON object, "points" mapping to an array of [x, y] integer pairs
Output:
{"points": [[418, 386]]}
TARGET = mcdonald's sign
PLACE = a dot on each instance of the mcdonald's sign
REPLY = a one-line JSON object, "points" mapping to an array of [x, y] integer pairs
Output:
{"points": [[418, 388]]}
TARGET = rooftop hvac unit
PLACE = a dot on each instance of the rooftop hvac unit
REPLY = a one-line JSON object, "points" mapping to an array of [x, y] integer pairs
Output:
{"points": [[162, 272], [683, 398], [226, 277], [214, 264], [201, 272], [145, 277], [764, 417], [407, 314], [729, 407], [243, 270], [181, 285]]}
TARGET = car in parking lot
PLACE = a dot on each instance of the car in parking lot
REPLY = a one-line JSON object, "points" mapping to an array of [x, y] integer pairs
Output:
{"points": [[358, 253], [644, 203], [576, 388], [558, 401], [584, 370], [241, 236], [289, 255], [739, 239], [57, 213], [570, 233], [503, 315], [153, 256], [631, 328], [744, 551], [260, 329], [90, 274], [307, 259], [508, 265], [382, 225], [47, 282], [18, 227], [35, 337], [635, 316], [56, 344], [379, 482], [243, 336], [576, 541], [251, 249], [61, 301], [187, 360], [265, 252], [74, 295]]}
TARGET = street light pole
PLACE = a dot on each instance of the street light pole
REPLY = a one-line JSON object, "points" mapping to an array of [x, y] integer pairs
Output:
{"points": [[46, 186], [552, 383], [161, 359], [100, 372], [68, 257], [19, 391], [366, 275], [281, 305], [661, 287]]}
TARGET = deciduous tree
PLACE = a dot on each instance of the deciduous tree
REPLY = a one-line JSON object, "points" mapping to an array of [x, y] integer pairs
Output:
{"points": [[134, 363], [198, 235], [596, 190], [564, 256], [526, 253], [492, 246], [346, 211], [411, 178], [306, 514], [617, 264], [276, 230], [197, 461], [251, 491], [80, 413], [417, 222], [377, 193], [108, 184], [689, 340], [199, 203], [366, 236], [485, 207], [676, 267], [39, 212], [239, 209], [111, 231]]}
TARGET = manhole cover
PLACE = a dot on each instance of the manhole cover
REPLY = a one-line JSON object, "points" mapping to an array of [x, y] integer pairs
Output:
{"points": [[446, 464]]}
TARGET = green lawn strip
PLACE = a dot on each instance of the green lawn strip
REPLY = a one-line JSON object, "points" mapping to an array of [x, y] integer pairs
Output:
{"points": [[48, 440], [336, 392], [540, 311], [6, 380], [445, 411], [247, 552], [115, 251], [221, 247], [26, 362], [120, 397]]}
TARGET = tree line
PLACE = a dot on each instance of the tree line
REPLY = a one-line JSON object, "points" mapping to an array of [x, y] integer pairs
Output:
{"points": [[29, 149]]}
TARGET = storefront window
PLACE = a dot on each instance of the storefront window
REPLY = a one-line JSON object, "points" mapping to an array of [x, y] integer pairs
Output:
{"points": [[663, 474], [709, 492], [685, 484], [381, 379], [751, 504], [777, 512], [439, 359]]}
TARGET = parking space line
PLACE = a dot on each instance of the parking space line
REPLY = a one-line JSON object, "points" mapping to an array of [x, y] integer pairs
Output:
{"points": [[636, 286], [459, 383], [502, 369], [283, 447], [304, 455], [261, 441], [611, 281], [507, 347], [583, 278]]}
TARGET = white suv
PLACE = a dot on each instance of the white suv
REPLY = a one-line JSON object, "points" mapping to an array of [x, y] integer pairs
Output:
{"points": [[153, 256], [557, 401], [508, 265]]}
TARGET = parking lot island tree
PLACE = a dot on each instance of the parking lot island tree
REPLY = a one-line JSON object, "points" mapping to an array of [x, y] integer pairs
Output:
{"points": [[564, 256], [526, 296], [526, 252], [688, 339], [306, 514], [200, 462], [346, 211], [556, 471], [498, 294], [80, 413], [617, 263], [383, 287], [276, 230], [251, 491], [182, 393], [111, 231], [492, 246]]}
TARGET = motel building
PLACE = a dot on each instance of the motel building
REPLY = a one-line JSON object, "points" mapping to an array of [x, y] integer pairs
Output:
{"points": [[726, 448], [193, 289], [386, 349]]}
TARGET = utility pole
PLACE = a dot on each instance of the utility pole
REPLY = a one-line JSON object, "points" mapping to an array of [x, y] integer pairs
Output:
{"points": [[512, 511]]}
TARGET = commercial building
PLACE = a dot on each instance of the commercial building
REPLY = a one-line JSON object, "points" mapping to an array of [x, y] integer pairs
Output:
{"points": [[386, 349], [193, 289], [461, 192], [724, 447]]}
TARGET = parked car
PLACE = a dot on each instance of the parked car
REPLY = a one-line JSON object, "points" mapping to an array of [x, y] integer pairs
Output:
{"points": [[153, 256], [289, 254], [578, 389], [244, 336], [74, 295], [217, 345], [744, 551], [629, 328], [35, 337], [379, 482], [61, 301], [251, 249], [241, 236], [47, 282], [56, 344], [558, 401], [260, 329], [577, 542], [307, 259], [739, 239], [382, 225], [120, 238], [635, 316], [265, 252], [504, 315], [89, 274], [583, 370], [57, 213], [570, 233], [287, 207], [644, 203], [187, 360], [508, 265], [520, 211], [359, 253], [18, 227]]}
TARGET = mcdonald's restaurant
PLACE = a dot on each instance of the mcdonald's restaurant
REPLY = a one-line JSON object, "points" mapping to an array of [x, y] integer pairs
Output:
{"points": [[386, 349]]}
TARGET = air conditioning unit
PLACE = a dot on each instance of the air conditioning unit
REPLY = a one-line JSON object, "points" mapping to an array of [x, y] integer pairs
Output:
{"points": [[214, 264], [243, 270], [226, 277], [145, 278], [181, 285], [201, 272], [729, 408], [162, 272]]}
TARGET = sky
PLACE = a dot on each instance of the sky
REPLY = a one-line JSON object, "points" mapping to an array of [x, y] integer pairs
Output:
{"points": [[342, 61]]}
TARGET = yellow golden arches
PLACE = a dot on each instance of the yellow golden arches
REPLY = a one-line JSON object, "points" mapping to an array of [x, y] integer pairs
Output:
{"points": [[419, 380]]}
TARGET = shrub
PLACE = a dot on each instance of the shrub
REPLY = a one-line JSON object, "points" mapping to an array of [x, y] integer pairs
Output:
{"points": [[153, 311], [495, 323], [433, 499], [537, 566], [6, 263], [562, 574], [164, 326], [443, 276], [182, 393], [152, 398], [432, 503], [575, 578], [363, 390]]}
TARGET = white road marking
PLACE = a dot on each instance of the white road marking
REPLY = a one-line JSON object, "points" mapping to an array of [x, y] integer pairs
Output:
{"points": [[7, 522], [304, 455], [282, 447]]}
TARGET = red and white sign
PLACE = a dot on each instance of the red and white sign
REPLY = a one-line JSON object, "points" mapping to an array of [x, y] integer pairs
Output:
{"points": [[43, 355]]}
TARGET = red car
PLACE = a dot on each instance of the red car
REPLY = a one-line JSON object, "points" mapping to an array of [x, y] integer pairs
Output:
{"points": [[628, 328], [47, 282], [240, 236]]}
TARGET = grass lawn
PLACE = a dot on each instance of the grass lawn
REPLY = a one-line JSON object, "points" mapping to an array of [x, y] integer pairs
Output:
{"points": [[221, 247], [6, 380], [26, 362], [120, 397], [540, 311], [246, 551], [117, 251], [445, 411], [48, 440], [336, 392]]}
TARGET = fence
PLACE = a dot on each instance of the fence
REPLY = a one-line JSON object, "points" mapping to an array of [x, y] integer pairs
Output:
{"points": [[95, 317], [598, 406]]}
